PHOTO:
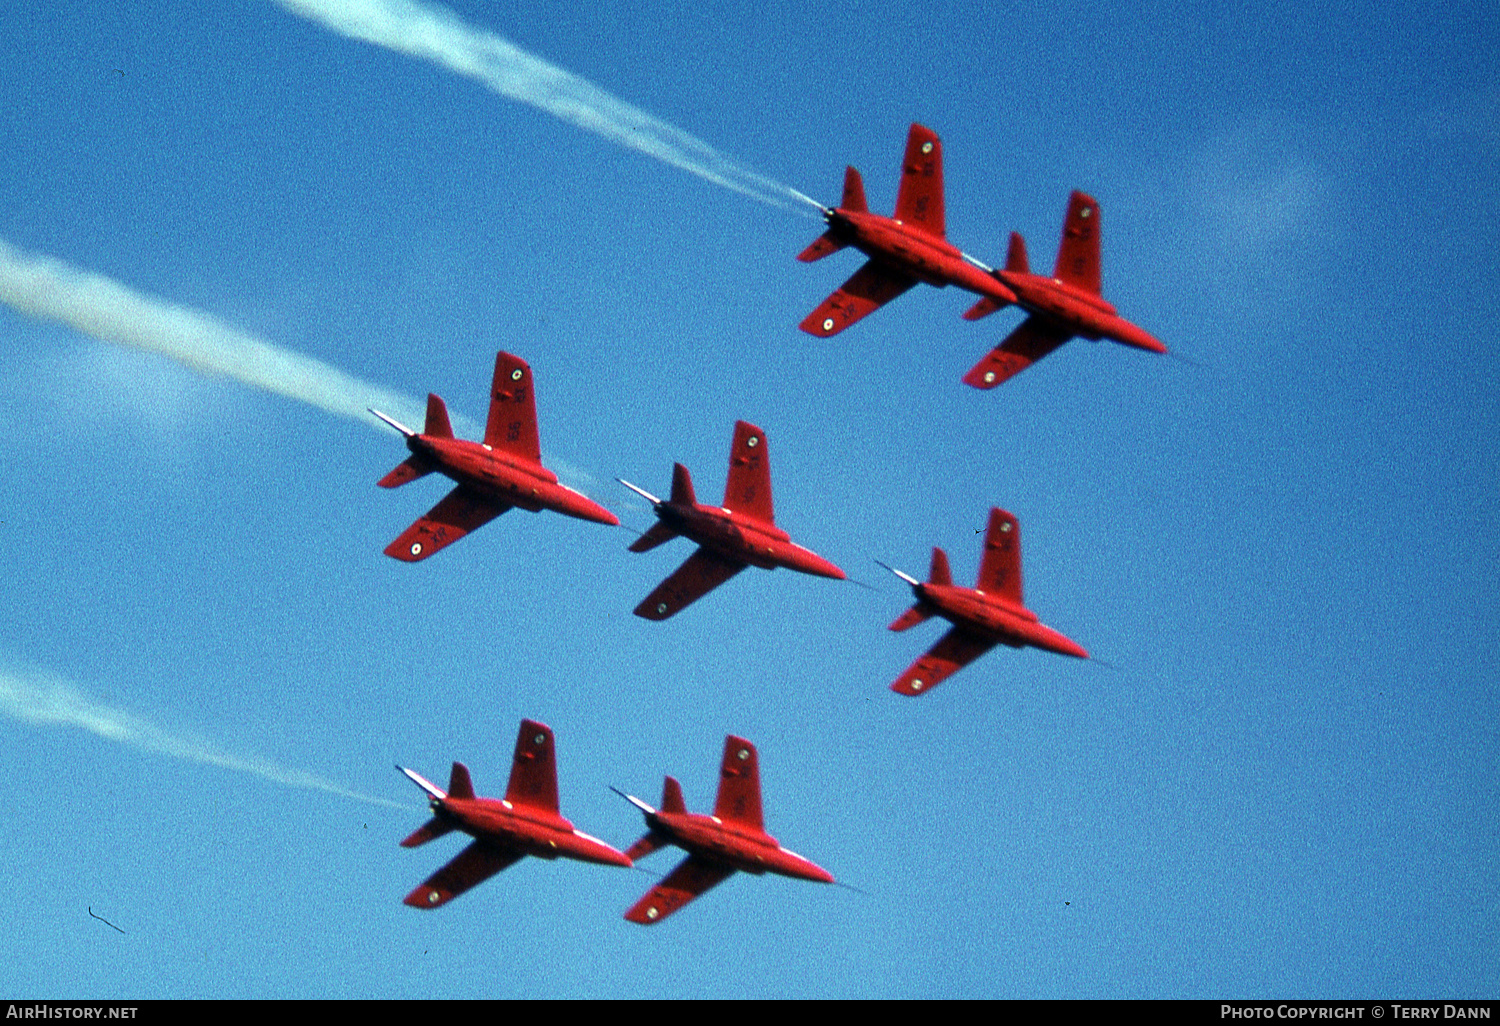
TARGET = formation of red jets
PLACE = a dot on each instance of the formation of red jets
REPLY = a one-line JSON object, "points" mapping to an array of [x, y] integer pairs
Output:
{"points": [[505, 471]]}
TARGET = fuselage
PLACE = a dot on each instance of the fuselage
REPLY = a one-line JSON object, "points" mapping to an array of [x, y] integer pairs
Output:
{"points": [[749, 851], [504, 478], [1006, 622], [925, 256], [522, 828], [743, 538], [1075, 310]]}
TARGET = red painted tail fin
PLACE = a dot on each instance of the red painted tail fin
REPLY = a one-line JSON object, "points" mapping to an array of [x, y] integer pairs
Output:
{"points": [[671, 797], [459, 785], [1015, 255], [511, 427], [748, 489], [1078, 253], [1000, 566], [682, 487], [533, 774], [437, 418], [854, 193], [938, 572], [919, 199], [739, 785]]}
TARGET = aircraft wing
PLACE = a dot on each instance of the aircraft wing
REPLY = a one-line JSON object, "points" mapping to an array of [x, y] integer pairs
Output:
{"points": [[704, 571], [739, 785], [474, 865], [957, 649], [511, 426], [1021, 348], [871, 287], [692, 877], [462, 511], [533, 774], [748, 489], [1000, 564]]}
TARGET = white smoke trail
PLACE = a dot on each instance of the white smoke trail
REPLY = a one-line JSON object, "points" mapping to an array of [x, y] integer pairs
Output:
{"points": [[439, 35], [39, 697], [49, 289]]}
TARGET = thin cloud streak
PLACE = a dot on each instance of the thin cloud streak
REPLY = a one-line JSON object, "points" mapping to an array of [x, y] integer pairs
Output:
{"points": [[436, 34], [38, 697], [102, 308]]}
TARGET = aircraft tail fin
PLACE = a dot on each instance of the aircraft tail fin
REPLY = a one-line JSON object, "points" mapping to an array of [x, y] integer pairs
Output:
{"points": [[437, 418], [682, 487], [1015, 255], [938, 572], [1078, 253], [459, 785], [854, 193], [671, 797]]}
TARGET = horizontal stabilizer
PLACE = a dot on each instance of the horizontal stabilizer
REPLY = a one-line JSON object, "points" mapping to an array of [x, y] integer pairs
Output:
{"points": [[650, 842], [433, 828], [406, 472], [983, 308], [658, 534], [824, 245], [913, 616]]}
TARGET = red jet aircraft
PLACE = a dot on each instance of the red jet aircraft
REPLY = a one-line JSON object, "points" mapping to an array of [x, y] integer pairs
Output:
{"points": [[903, 250], [504, 471], [984, 616], [732, 838], [1062, 306], [525, 823], [740, 533]]}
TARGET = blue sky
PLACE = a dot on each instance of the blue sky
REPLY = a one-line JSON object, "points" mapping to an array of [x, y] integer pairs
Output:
{"points": [[1283, 784]]}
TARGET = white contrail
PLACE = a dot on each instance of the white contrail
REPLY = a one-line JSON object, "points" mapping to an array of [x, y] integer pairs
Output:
{"points": [[439, 35], [35, 696], [49, 289]]}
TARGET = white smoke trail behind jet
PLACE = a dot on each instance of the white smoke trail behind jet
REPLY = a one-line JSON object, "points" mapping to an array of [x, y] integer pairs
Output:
{"points": [[439, 35], [49, 289], [34, 696]]}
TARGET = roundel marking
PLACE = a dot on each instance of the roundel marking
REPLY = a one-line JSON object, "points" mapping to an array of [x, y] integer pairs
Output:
{"points": [[828, 324], [661, 607], [652, 912], [432, 897], [916, 685], [989, 377], [744, 754], [1005, 526], [1086, 212], [515, 375], [753, 441], [416, 548], [927, 147], [540, 739]]}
